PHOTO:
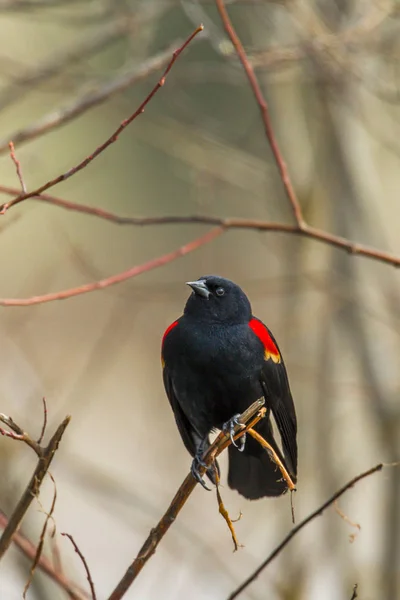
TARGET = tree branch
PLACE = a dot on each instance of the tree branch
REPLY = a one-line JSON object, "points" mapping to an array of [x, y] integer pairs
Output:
{"points": [[250, 417], [301, 525], [46, 456], [120, 277], [263, 106], [30, 551], [113, 138]]}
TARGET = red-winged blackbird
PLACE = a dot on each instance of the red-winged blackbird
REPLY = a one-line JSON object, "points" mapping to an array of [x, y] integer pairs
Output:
{"points": [[217, 360]]}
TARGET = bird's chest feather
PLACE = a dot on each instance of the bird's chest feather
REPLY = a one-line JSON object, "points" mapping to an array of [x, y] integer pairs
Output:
{"points": [[215, 369]]}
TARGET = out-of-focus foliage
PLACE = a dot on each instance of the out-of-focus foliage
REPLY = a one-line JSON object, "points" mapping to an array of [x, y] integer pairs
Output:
{"points": [[329, 70]]}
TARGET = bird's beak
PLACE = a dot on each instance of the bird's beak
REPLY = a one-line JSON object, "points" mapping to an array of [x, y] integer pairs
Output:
{"points": [[200, 288]]}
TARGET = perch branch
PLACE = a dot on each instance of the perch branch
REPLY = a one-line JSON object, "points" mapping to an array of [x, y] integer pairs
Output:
{"points": [[250, 417]]}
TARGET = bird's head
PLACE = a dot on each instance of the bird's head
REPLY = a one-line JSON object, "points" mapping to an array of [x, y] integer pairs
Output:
{"points": [[216, 299]]}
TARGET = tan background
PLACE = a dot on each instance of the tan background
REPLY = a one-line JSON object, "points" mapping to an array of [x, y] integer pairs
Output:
{"points": [[200, 148]]}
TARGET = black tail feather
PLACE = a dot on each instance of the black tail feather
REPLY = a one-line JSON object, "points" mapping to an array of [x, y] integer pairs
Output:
{"points": [[252, 472]]}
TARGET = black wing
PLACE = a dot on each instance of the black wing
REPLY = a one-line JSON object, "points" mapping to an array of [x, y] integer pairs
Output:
{"points": [[188, 433], [278, 398]]}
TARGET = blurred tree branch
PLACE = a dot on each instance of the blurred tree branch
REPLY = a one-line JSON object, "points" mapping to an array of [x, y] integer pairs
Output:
{"points": [[29, 549], [318, 512], [46, 455]]}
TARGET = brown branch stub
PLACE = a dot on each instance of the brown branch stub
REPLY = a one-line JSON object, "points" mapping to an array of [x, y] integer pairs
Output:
{"points": [[250, 417], [84, 562], [44, 421], [113, 137], [45, 459], [262, 103], [17, 167], [300, 526], [354, 594], [19, 434]]}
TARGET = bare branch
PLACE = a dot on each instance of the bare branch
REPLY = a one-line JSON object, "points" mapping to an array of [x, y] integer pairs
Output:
{"points": [[39, 548], [303, 524], [250, 417], [45, 458], [17, 166], [44, 422], [133, 272], [80, 105], [113, 138], [30, 550], [83, 559], [262, 103]]}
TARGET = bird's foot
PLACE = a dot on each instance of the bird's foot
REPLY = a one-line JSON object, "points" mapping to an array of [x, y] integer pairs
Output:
{"points": [[229, 427], [194, 469]]}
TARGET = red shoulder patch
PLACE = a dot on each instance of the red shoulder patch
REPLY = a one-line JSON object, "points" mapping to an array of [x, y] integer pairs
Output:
{"points": [[166, 332], [270, 350]]}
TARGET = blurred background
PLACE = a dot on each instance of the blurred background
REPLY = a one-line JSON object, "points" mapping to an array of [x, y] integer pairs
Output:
{"points": [[330, 72]]}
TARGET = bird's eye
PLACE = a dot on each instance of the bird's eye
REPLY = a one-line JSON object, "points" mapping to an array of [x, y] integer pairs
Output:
{"points": [[220, 291]]}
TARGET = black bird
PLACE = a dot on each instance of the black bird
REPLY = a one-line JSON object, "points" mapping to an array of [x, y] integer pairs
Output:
{"points": [[217, 360]]}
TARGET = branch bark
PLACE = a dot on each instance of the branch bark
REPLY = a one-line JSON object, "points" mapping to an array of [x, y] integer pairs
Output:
{"points": [[45, 459], [301, 526], [249, 418]]}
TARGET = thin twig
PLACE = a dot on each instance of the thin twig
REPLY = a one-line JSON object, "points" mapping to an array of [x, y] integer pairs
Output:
{"points": [[251, 416], [300, 526], [17, 433], [113, 138], [81, 104], [33, 487], [44, 422], [262, 103], [39, 548], [84, 562], [17, 166], [273, 455], [120, 277], [29, 550], [225, 515], [345, 518]]}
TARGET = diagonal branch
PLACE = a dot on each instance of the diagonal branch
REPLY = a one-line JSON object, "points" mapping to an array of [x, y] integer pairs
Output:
{"points": [[262, 103], [120, 277], [303, 524], [249, 418], [113, 138], [33, 487]]}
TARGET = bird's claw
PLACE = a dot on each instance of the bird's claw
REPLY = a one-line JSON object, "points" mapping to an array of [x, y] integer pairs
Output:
{"points": [[229, 427], [194, 469]]}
